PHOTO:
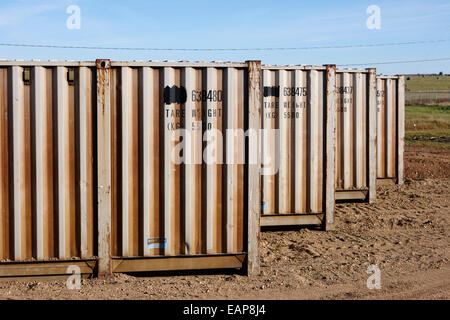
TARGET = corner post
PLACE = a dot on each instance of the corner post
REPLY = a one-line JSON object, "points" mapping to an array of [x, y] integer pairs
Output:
{"points": [[400, 127], [104, 167], [254, 167], [330, 142], [372, 152]]}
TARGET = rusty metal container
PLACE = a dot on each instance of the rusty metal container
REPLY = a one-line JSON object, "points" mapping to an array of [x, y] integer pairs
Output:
{"points": [[87, 170], [47, 198], [391, 128], [189, 215], [356, 135], [298, 145]]}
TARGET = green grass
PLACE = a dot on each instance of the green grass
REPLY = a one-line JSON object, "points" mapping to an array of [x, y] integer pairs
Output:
{"points": [[427, 121], [433, 144], [423, 83]]}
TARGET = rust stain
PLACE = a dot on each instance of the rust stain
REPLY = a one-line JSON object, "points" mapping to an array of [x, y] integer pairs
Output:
{"points": [[102, 80]]}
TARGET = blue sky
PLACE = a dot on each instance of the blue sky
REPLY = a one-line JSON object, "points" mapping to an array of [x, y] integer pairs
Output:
{"points": [[232, 24]]}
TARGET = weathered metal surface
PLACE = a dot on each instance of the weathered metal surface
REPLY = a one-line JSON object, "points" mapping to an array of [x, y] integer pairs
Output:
{"points": [[46, 164], [390, 131], [352, 195], [400, 129], [44, 268], [88, 167], [5, 240], [330, 146], [104, 165], [178, 183], [355, 131], [372, 138], [291, 220], [254, 166], [298, 145], [196, 262]]}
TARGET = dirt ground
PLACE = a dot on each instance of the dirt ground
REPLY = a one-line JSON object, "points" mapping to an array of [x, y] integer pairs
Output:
{"points": [[406, 233]]}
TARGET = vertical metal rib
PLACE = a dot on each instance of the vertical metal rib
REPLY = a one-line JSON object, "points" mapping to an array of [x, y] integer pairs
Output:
{"points": [[301, 143], [285, 124], [269, 151], [214, 168], [86, 160], [4, 166], [62, 107], [391, 128], [19, 161], [347, 146], [192, 81], [339, 133], [359, 132], [41, 154], [171, 169], [314, 139], [150, 107]]}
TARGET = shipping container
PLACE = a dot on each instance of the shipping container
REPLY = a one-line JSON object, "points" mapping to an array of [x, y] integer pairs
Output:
{"points": [[356, 135], [184, 213], [47, 183], [103, 166], [298, 145], [391, 128]]}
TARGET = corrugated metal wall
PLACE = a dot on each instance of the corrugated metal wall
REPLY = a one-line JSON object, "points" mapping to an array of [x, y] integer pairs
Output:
{"points": [[390, 131], [294, 142], [164, 208], [295, 106], [93, 165], [46, 162], [353, 129]]}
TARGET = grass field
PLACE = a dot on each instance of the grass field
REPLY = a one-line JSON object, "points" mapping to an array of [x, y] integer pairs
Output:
{"points": [[425, 123], [427, 82]]}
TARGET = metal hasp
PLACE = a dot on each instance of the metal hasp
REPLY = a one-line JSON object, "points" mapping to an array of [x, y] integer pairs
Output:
{"points": [[298, 146], [391, 129], [356, 135]]}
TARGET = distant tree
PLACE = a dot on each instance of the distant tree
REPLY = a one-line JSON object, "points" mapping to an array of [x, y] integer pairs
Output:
{"points": [[441, 73]]}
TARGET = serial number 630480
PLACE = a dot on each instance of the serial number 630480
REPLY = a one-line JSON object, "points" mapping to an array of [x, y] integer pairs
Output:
{"points": [[207, 95]]}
